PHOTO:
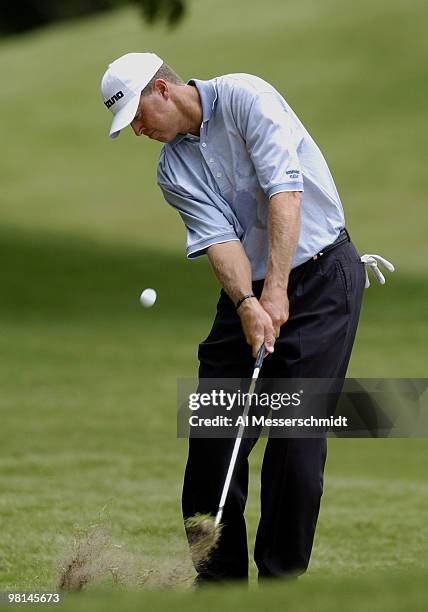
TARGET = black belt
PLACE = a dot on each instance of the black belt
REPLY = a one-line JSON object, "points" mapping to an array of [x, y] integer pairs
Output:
{"points": [[342, 237]]}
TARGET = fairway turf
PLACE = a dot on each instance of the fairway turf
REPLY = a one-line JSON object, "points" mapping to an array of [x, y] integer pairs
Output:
{"points": [[394, 593], [88, 377], [88, 407]]}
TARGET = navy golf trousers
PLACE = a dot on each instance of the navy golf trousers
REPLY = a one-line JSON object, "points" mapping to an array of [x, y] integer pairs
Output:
{"points": [[325, 297]]}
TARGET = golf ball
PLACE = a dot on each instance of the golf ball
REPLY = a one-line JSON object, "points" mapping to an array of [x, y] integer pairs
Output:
{"points": [[148, 297]]}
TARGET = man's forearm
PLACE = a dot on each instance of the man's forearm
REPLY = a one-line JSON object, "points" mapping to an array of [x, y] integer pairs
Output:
{"points": [[232, 268], [284, 231]]}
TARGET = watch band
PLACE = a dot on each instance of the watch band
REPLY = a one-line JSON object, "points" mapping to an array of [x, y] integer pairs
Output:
{"points": [[243, 298]]}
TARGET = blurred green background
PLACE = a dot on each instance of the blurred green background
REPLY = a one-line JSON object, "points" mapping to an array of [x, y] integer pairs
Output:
{"points": [[88, 378]]}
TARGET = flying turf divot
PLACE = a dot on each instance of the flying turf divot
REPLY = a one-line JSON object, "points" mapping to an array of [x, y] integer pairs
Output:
{"points": [[94, 556]]}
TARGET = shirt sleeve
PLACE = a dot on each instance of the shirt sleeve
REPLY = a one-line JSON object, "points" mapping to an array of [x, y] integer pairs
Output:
{"points": [[271, 142], [205, 223]]}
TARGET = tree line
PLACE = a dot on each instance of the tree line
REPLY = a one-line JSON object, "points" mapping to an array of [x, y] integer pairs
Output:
{"points": [[21, 16]]}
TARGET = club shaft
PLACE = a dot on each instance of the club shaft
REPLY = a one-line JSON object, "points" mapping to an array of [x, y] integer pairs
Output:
{"points": [[239, 435]]}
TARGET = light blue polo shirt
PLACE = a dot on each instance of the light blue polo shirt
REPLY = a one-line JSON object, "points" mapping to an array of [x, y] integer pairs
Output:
{"points": [[251, 146]]}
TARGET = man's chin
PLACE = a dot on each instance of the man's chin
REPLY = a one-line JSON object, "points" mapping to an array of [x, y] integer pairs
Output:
{"points": [[162, 138], [169, 138]]}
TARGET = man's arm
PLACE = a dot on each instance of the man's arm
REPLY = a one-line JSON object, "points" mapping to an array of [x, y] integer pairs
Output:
{"points": [[284, 231], [262, 320], [233, 270]]}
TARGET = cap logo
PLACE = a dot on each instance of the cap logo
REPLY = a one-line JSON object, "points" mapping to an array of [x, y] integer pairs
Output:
{"points": [[115, 97]]}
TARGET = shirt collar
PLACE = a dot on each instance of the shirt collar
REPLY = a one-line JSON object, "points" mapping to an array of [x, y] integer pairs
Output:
{"points": [[208, 94]]}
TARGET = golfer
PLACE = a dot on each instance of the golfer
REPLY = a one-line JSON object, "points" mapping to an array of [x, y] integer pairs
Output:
{"points": [[257, 197]]}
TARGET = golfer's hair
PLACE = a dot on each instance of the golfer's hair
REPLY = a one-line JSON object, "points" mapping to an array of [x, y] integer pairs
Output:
{"points": [[166, 73]]}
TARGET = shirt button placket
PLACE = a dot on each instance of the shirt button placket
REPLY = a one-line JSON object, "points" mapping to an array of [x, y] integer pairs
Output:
{"points": [[212, 163]]}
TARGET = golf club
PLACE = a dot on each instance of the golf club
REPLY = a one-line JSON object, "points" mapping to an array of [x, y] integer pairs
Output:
{"points": [[204, 530]]}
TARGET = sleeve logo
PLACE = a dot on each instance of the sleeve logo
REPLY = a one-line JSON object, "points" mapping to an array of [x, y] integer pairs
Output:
{"points": [[293, 174]]}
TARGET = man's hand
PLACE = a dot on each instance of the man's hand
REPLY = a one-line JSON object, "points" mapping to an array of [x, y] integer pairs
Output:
{"points": [[277, 307], [257, 325]]}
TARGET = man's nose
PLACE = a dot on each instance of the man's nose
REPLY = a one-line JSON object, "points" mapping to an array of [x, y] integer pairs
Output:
{"points": [[137, 127]]}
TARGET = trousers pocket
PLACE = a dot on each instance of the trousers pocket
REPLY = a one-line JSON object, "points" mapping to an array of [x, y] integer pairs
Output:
{"points": [[345, 280]]}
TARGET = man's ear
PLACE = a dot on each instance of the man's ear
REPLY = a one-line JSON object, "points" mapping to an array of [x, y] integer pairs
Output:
{"points": [[161, 87]]}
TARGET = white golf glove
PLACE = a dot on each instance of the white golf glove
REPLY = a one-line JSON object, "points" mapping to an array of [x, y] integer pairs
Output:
{"points": [[370, 260]]}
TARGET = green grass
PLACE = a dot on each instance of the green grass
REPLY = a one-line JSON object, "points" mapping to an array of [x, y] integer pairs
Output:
{"points": [[88, 417], [88, 378], [385, 592]]}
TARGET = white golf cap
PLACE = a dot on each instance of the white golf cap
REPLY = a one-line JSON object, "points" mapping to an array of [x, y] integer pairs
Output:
{"points": [[122, 84]]}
